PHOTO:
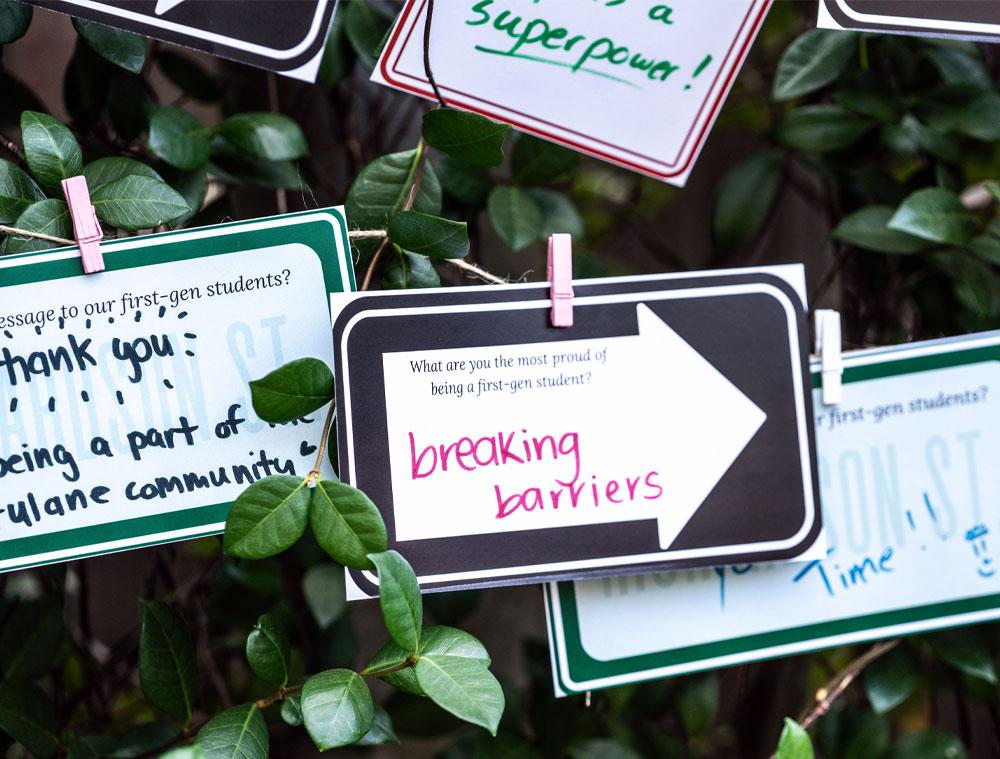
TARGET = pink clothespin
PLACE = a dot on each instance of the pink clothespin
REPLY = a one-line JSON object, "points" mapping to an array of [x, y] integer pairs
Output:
{"points": [[560, 271], [86, 227]]}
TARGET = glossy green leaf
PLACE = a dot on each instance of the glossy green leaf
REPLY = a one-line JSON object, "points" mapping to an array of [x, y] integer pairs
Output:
{"points": [[428, 235], [743, 200], [927, 744], [268, 651], [347, 525], [399, 596], [269, 136], [960, 67], [130, 104], [467, 184], [794, 742], [292, 391], [17, 192], [391, 656], [986, 246], [515, 216], [27, 716], [981, 118], [337, 708], [381, 731], [934, 214], [188, 75], [50, 217], [407, 271], [365, 28], [184, 752], [178, 138], [890, 680], [291, 710], [338, 55], [868, 228], [326, 597], [193, 187], [380, 190], [168, 670], [535, 161], [812, 61], [31, 639], [51, 150], [121, 48], [137, 202], [967, 651], [236, 733], [559, 214], [231, 165], [467, 136], [15, 18], [463, 687], [105, 170], [821, 128], [267, 518]]}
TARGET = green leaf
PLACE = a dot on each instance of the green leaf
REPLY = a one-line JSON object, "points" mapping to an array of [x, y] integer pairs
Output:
{"points": [[337, 708], [959, 67], [934, 214], [27, 716], [347, 525], [17, 192], [338, 56], [463, 687], [868, 737], [536, 161], [408, 271], [230, 165], [381, 731], [267, 518], [51, 150], [986, 246], [237, 733], [121, 48], [559, 214], [270, 136], [468, 136], [50, 217], [143, 738], [794, 742], [188, 76], [365, 28], [323, 588], [291, 710], [812, 61], [890, 680], [428, 235], [821, 128], [516, 216], [137, 202], [15, 18], [981, 118], [399, 596], [602, 748], [391, 655], [966, 650], [130, 104], [974, 284], [927, 744], [744, 199], [178, 138], [193, 187], [184, 752], [292, 391], [380, 190], [268, 651], [168, 672], [31, 639], [106, 170], [868, 229]]}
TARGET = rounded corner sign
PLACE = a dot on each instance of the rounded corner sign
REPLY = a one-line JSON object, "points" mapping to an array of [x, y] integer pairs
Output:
{"points": [[667, 427], [285, 36], [935, 18]]}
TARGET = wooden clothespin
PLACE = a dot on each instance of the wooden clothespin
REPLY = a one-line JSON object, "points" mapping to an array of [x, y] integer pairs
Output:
{"points": [[560, 274], [86, 227], [828, 348]]}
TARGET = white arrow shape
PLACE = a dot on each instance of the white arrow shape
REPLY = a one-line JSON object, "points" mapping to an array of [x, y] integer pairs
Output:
{"points": [[162, 6], [654, 418]]}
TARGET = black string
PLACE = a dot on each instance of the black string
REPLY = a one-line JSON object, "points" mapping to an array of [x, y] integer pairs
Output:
{"points": [[427, 53]]}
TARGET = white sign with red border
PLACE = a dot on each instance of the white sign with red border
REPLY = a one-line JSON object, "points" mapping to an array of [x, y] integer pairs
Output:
{"points": [[637, 83]]}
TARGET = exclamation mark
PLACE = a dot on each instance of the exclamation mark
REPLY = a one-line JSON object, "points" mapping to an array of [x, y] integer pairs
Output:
{"points": [[701, 67]]}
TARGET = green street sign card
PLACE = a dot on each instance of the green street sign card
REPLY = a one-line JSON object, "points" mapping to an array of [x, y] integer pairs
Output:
{"points": [[125, 415], [908, 486]]}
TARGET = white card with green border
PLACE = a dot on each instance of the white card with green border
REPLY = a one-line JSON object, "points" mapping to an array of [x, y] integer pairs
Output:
{"points": [[125, 413], [911, 505]]}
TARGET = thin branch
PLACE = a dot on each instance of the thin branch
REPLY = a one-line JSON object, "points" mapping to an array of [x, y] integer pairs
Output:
{"points": [[427, 53], [11, 147], [475, 271], [370, 271], [39, 235], [405, 664], [313, 477], [279, 695]]}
